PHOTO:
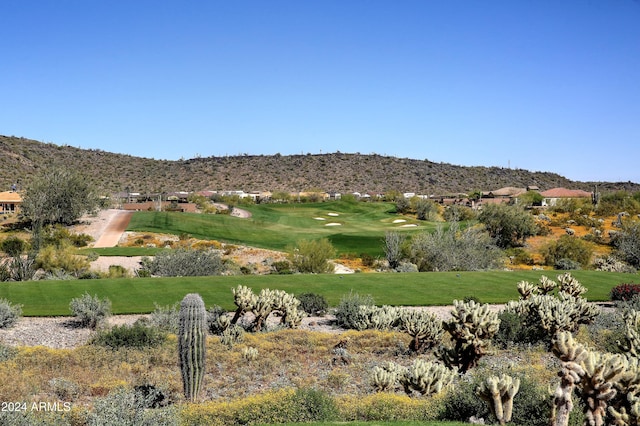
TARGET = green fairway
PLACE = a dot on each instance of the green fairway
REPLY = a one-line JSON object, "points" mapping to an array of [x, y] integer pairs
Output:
{"points": [[351, 227], [138, 295]]}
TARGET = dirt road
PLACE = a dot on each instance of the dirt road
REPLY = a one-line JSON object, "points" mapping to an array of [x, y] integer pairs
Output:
{"points": [[114, 229]]}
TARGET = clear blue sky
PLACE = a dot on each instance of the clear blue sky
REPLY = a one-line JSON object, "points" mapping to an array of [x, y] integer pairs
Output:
{"points": [[543, 85]]}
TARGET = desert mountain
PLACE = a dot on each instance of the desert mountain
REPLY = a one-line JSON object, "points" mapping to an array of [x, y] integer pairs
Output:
{"points": [[21, 158]]}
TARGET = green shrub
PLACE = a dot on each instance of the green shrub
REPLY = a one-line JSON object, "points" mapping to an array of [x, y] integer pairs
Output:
{"points": [[565, 264], [124, 407], [348, 312], [567, 247], [314, 406], [462, 403], [312, 256], [514, 331], [367, 260], [166, 317], [13, 246], [7, 352], [90, 310], [62, 258], [185, 263], [137, 335], [9, 313], [313, 304], [282, 267], [532, 404], [117, 271]]}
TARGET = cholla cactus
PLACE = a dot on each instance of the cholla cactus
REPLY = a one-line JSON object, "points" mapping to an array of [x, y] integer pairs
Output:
{"points": [[385, 378], [631, 346], [425, 377], [526, 289], [546, 285], [499, 391], [471, 327], [384, 318], [192, 335], [424, 327], [570, 285], [249, 353], [597, 378], [245, 300]]}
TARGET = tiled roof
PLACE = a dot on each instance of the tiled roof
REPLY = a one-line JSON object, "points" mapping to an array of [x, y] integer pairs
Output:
{"points": [[565, 193], [10, 197]]}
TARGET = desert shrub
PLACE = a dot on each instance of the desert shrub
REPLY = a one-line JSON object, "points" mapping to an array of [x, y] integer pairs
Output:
{"points": [[62, 258], [7, 352], [624, 292], [59, 236], [5, 273], [137, 335], [165, 317], [565, 264], [612, 264], [9, 313], [532, 404], [510, 226], [606, 331], [426, 210], [185, 263], [394, 248], [367, 260], [13, 246], [627, 243], [567, 247], [30, 418], [458, 213], [348, 313], [314, 406], [117, 271], [90, 310], [462, 403], [65, 389], [519, 256], [313, 304], [282, 267], [514, 331], [387, 407], [312, 256], [125, 407], [471, 249]]}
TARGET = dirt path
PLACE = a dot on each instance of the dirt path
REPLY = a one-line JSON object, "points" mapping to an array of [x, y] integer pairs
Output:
{"points": [[114, 229]]}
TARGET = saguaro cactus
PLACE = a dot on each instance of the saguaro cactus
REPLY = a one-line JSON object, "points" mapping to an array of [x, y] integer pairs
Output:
{"points": [[499, 391], [192, 334]]}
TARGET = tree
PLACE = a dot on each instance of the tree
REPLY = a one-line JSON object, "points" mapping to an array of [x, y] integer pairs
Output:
{"points": [[426, 209], [567, 248], [627, 243], [312, 256], [453, 250], [510, 226], [57, 196], [393, 245]]}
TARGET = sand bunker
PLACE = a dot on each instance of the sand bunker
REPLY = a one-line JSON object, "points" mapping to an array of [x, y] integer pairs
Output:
{"points": [[319, 218], [333, 214], [333, 224], [399, 220], [409, 225]]}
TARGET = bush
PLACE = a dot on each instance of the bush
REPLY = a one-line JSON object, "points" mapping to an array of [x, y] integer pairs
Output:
{"points": [[462, 403], [367, 260], [624, 292], [185, 263], [282, 267], [514, 331], [313, 304], [9, 313], [348, 312], [166, 317], [567, 247], [127, 408], [63, 258], [7, 352], [90, 310], [137, 335], [314, 406], [565, 264], [312, 256], [13, 246]]}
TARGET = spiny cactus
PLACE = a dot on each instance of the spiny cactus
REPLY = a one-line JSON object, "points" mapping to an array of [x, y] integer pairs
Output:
{"points": [[245, 299], [596, 376], [499, 391], [471, 327], [263, 304], [192, 334], [385, 378], [570, 285], [425, 377], [631, 346], [424, 327]]}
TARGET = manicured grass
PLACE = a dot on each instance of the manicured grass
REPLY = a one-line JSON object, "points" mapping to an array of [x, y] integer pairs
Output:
{"points": [[138, 295], [276, 226]]}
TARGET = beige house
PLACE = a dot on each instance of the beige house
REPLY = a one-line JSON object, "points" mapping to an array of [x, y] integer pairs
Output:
{"points": [[552, 196], [10, 202]]}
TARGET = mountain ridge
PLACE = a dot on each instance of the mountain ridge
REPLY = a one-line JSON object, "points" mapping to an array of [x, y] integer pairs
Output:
{"points": [[22, 158]]}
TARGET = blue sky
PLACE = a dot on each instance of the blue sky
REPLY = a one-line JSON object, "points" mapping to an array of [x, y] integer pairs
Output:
{"points": [[542, 85]]}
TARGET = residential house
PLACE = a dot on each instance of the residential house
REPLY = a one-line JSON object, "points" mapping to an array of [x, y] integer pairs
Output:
{"points": [[10, 202], [552, 196]]}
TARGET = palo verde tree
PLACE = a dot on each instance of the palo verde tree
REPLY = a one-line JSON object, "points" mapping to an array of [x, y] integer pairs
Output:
{"points": [[57, 196], [510, 226]]}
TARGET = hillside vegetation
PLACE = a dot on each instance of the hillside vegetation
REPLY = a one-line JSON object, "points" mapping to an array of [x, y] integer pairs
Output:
{"points": [[21, 158]]}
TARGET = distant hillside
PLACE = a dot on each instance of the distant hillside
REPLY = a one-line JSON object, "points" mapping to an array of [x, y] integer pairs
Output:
{"points": [[21, 158]]}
